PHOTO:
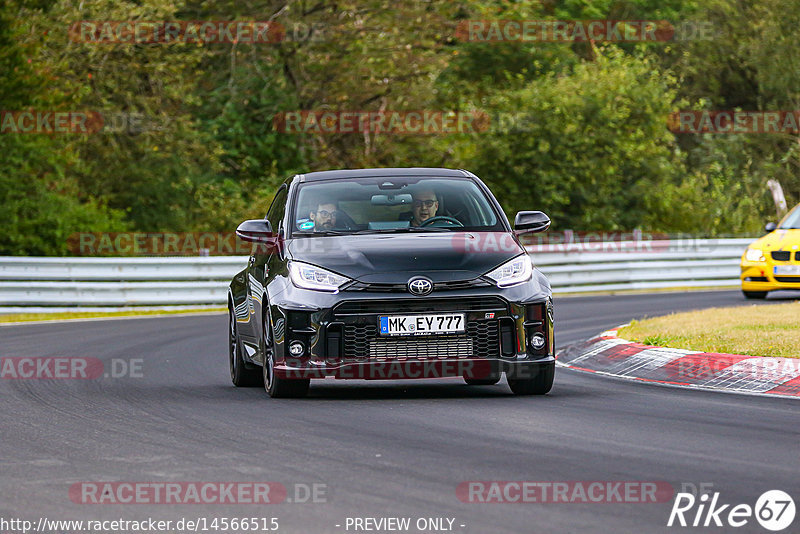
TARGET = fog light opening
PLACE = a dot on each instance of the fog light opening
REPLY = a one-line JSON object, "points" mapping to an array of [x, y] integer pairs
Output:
{"points": [[537, 341], [296, 348]]}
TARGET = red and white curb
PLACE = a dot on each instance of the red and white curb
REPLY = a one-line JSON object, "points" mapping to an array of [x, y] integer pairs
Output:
{"points": [[607, 354]]}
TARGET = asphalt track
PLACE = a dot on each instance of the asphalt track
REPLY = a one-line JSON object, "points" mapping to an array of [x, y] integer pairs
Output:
{"points": [[382, 449]]}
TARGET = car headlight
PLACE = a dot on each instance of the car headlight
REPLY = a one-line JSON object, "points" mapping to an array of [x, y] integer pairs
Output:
{"points": [[754, 254], [512, 272], [311, 277]]}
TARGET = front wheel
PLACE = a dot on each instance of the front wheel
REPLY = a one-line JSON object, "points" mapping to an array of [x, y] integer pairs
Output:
{"points": [[278, 388], [541, 384], [241, 375], [754, 294]]}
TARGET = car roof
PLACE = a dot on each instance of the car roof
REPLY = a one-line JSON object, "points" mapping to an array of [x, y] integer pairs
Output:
{"points": [[381, 172]]}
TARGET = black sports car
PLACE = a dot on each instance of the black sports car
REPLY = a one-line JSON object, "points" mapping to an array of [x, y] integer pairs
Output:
{"points": [[389, 273]]}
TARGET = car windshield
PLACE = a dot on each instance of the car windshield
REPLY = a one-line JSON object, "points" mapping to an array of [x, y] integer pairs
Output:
{"points": [[392, 205], [792, 221]]}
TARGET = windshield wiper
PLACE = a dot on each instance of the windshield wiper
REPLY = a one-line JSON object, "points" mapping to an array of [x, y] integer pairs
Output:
{"points": [[429, 228], [405, 230], [320, 234], [382, 231]]}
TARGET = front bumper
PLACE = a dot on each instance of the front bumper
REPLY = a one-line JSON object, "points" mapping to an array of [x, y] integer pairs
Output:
{"points": [[342, 340], [414, 369], [760, 276]]}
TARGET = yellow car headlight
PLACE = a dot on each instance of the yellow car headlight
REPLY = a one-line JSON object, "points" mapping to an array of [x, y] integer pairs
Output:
{"points": [[754, 254]]}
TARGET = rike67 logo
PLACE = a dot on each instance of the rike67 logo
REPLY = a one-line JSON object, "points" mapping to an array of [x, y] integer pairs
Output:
{"points": [[774, 510]]}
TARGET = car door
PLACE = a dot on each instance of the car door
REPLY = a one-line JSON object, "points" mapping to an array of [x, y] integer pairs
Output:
{"points": [[257, 266]]}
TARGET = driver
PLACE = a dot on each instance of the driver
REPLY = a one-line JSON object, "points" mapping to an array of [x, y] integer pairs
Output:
{"points": [[324, 217], [424, 206]]}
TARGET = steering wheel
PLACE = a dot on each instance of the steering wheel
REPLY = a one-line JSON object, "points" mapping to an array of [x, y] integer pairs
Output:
{"points": [[452, 220], [343, 221], [343, 226]]}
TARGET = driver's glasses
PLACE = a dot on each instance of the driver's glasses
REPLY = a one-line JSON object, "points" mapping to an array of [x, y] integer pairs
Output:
{"points": [[325, 214], [426, 203]]}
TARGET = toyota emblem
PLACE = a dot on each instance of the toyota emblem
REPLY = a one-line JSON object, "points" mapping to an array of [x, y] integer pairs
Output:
{"points": [[420, 286]]}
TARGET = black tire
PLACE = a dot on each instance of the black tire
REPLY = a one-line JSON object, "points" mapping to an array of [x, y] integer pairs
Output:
{"points": [[242, 374], [754, 294], [538, 385], [279, 388]]}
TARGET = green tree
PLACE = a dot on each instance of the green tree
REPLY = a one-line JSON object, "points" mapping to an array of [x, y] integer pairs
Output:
{"points": [[41, 203], [590, 148]]}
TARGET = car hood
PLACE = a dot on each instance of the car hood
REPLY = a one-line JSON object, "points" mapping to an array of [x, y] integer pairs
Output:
{"points": [[779, 240], [376, 258]]}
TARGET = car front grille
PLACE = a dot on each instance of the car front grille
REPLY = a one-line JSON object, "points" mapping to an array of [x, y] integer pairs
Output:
{"points": [[781, 255], [403, 288], [362, 343], [788, 279]]}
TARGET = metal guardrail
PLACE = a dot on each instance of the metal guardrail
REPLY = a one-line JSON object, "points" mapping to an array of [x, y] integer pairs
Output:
{"points": [[115, 282], [642, 265]]}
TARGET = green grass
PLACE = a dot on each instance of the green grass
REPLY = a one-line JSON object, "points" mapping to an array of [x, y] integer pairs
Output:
{"points": [[60, 316], [677, 289], [750, 330]]}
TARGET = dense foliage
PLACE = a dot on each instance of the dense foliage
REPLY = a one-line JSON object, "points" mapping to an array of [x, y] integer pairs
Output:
{"points": [[578, 129]]}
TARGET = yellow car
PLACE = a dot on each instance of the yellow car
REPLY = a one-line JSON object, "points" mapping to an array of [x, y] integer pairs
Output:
{"points": [[773, 262]]}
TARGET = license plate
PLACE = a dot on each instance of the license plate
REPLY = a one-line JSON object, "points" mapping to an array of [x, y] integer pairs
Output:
{"points": [[417, 325], [787, 269]]}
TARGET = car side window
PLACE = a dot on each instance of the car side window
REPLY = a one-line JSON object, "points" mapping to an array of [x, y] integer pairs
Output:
{"points": [[278, 208]]}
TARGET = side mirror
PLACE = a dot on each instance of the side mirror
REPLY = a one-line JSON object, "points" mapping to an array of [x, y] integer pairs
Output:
{"points": [[770, 227], [531, 221], [256, 231]]}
